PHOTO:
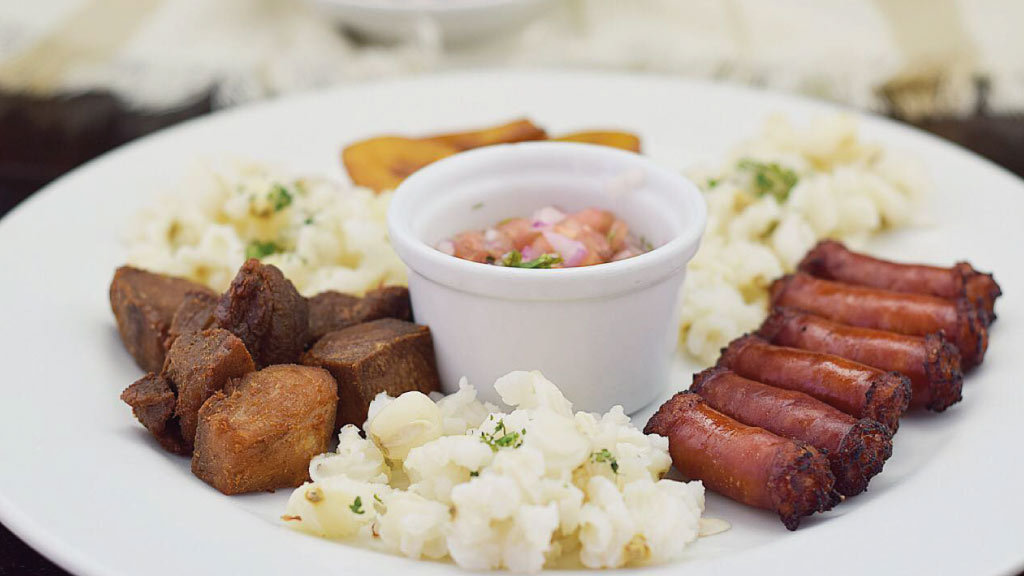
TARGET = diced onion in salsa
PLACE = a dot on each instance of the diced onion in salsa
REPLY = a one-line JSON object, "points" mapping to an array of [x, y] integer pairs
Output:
{"points": [[549, 238]]}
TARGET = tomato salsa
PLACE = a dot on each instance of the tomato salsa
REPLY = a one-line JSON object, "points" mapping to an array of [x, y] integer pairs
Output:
{"points": [[550, 238]]}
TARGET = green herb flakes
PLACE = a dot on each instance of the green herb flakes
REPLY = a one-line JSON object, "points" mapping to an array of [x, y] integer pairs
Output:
{"points": [[769, 178], [604, 455], [502, 438], [279, 197], [357, 506], [514, 259], [260, 250]]}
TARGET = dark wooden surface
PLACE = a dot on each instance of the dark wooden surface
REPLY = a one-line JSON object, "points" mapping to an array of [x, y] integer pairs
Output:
{"points": [[40, 139]]}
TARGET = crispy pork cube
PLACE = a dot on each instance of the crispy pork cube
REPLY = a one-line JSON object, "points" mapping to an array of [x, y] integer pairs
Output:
{"points": [[331, 311], [152, 400], [144, 304], [261, 432], [195, 314], [264, 309], [385, 355], [199, 364], [386, 302]]}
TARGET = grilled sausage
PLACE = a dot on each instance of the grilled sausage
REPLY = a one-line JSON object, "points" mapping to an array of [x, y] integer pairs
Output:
{"points": [[860, 391], [833, 261], [931, 363], [748, 464], [912, 314], [856, 449]]}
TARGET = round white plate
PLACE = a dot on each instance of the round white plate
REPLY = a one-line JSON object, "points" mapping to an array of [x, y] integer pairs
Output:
{"points": [[82, 482]]}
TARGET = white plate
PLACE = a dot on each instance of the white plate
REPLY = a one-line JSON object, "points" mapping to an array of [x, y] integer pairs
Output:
{"points": [[83, 482]]}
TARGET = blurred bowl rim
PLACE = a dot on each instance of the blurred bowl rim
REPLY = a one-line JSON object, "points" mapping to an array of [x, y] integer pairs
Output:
{"points": [[427, 6]]}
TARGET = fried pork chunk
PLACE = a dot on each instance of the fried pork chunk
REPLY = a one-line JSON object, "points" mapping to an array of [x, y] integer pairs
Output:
{"points": [[199, 364], [261, 432], [386, 302], [152, 400], [144, 304], [385, 355], [330, 311], [195, 314], [264, 309]]}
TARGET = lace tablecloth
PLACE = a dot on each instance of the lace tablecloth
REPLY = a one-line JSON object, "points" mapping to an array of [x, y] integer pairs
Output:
{"points": [[908, 57]]}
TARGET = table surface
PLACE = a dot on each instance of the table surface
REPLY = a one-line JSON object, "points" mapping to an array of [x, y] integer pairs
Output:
{"points": [[40, 139]]}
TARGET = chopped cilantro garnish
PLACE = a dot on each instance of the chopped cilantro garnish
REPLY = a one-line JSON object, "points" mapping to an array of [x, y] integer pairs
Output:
{"points": [[377, 498], [477, 206], [260, 250], [357, 506], [514, 259], [510, 439], [712, 182], [770, 178], [474, 473], [502, 438], [646, 244], [308, 221], [542, 261], [604, 455], [279, 197]]}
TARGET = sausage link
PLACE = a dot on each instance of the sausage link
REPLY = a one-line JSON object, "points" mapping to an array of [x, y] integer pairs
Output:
{"points": [[744, 463], [860, 391], [856, 449], [832, 260], [931, 363], [912, 314]]}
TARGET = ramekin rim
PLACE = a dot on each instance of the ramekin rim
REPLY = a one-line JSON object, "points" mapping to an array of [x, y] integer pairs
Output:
{"points": [[409, 247]]}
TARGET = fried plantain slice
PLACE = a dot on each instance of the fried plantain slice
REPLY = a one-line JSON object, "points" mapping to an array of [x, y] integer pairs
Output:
{"points": [[623, 140], [516, 131], [382, 163]]}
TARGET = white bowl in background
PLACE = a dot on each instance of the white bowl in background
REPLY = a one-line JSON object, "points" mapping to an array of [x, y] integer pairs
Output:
{"points": [[454, 20], [604, 334]]}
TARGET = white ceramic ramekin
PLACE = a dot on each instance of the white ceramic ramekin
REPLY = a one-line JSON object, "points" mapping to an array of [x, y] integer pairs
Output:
{"points": [[604, 334]]}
